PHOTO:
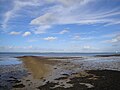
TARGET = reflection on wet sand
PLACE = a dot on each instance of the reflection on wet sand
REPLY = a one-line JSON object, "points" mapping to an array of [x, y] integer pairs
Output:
{"points": [[37, 67]]}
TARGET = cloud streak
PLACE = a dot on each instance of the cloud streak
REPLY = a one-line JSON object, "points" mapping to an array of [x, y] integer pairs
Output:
{"points": [[77, 12], [14, 33], [62, 12], [17, 6], [63, 31]]}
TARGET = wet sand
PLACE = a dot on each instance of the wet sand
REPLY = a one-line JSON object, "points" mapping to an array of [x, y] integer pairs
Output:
{"points": [[61, 73], [38, 67]]}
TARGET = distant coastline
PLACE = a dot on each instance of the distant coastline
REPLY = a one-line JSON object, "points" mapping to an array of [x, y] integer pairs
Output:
{"points": [[58, 54]]}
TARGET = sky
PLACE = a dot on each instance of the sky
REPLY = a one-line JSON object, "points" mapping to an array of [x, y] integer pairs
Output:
{"points": [[59, 25]]}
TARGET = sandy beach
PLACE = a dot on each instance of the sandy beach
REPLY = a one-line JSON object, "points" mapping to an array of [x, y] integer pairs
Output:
{"points": [[61, 73]]}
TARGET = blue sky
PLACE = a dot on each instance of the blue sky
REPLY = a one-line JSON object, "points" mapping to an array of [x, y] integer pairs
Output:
{"points": [[59, 25]]}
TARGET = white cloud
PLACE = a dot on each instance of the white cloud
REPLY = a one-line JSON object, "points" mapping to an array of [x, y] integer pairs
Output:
{"points": [[50, 38], [14, 33], [70, 2], [115, 39], [45, 19], [14, 48], [86, 47], [26, 34], [63, 31], [77, 37], [32, 40], [41, 29]]}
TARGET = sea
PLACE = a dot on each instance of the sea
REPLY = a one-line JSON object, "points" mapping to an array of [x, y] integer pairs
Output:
{"points": [[8, 58], [16, 54]]}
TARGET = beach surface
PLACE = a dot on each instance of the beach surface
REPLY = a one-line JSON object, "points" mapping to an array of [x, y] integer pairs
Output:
{"points": [[60, 73]]}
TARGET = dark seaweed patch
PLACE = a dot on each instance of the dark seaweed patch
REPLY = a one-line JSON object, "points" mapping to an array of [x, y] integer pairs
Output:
{"points": [[19, 86]]}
